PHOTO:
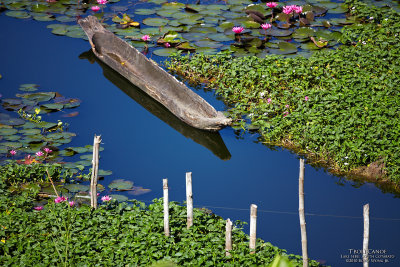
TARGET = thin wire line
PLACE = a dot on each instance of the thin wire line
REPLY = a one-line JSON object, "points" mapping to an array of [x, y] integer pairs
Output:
{"points": [[290, 212]]}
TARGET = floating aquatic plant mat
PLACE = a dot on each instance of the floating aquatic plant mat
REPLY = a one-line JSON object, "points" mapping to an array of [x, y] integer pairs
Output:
{"points": [[30, 146], [205, 27], [339, 107]]}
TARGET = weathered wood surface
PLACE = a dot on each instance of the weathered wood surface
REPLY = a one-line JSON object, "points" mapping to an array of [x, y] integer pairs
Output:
{"points": [[151, 78]]}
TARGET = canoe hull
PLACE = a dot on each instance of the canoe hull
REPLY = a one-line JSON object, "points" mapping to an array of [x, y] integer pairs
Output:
{"points": [[151, 78]]}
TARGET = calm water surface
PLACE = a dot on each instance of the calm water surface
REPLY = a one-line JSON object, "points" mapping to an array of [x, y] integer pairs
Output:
{"points": [[141, 147]]}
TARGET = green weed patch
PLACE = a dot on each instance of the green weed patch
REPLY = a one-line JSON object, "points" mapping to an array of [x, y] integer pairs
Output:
{"points": [[118, 234], [340, 107]]}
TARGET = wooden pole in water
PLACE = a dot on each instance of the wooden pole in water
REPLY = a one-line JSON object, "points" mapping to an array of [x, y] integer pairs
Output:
{"points": [[95, 171], [366, 235], [301, 215], [253, 228], [166, 208], [228, 237], [189, 199]]}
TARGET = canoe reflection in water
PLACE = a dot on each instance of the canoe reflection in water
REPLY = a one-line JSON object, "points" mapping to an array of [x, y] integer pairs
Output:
{"points": [[210, 140]]}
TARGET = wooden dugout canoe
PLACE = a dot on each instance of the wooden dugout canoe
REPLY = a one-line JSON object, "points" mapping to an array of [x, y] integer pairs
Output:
{"points": [[151, 78]]}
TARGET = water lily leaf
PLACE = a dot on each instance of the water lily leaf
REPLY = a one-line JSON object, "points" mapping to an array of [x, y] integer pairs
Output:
{"points": [[251, 24], [279, 33], [186, 46], [30, 131], [284, 49], [8, 131], [65, 19], [48, 125], [164, 52], [203, 29], [12, 101], [319, 11], [166, 13], [208, 43], [144, 11], [104, 173], [207, 50], [220, 37], [193, 36], [78, 149], [54, 106], [119, 8], [137, 190], [85, 163], [155, 22], [16, 6], [39, 97], [66, 153], [12, 122], [309, 46], [119, 198], [28, 87], [39, 8], [75, 188], [12, 137], [43, 17], [18, 14], [121, 184], [87, 157], [13, 145]]}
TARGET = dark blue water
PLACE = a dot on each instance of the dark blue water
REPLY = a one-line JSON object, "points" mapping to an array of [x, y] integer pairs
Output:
{"points": [[141, 147]]}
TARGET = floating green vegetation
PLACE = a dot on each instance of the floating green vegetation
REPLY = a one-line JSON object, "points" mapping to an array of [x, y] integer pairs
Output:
{"points": [[116, 234], [340, 107], [31, 146], [205, 28]]}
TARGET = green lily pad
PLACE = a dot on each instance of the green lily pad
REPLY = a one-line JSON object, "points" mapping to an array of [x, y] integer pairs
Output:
{"points": [[208, 43], [78, 149], [18, 14], [66, 153], [119, 198], [220, 37], [75, 188], [207, 50], [86, 157], [8, 131], [164, 52], [279, 33], [251, 24], [121, 184], [13, 145], [12, 137], [30, 131], [155, 22], [28, 87], [284, 49], [12, 122], [43, 17], [104, 173], [53, 106], [65, 19], [39, 97], [144, 11]]}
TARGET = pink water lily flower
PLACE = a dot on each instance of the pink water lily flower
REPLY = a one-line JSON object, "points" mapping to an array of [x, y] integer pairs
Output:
{"points": [[287, 9], [145, 38], [298, 9], [71, 203], [106, 198], [102, 2], [167, 45], [39, 153], [272, 4], [38, 208], [60, 199], [13, 152], [95, 8], [266, 26], [47, 150], [237, 30]]}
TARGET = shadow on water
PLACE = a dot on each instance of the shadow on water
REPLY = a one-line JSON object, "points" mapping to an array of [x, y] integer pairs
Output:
{"points": [[210, 140]]}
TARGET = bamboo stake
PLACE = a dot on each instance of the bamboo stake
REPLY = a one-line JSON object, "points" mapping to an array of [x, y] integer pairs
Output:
{"points": [[51, 181], [95, 171], [228, 237], [253, 228], [366, 235], [189, 199], [166, 208], [301, 215]]}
